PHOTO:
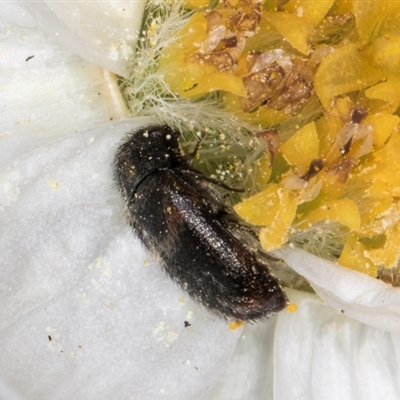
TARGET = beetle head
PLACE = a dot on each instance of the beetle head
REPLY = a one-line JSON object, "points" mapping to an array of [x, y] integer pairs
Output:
{"points": [[147, 150]]}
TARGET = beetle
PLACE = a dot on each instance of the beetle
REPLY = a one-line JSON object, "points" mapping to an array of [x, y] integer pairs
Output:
{"points": [[180, 216]]}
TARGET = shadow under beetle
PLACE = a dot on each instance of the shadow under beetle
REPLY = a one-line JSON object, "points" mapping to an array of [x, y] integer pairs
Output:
{"points": [[180, 216]]}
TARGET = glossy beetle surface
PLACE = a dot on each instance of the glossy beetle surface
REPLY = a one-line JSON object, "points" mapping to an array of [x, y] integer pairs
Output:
{"points": [[180, 216]]}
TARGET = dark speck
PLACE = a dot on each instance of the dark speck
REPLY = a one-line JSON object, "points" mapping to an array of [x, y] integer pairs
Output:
{"points": [[29, 58], [187, 324], [358, 114]]}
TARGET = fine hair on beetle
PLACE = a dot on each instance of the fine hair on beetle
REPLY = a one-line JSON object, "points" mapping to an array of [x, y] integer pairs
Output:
{"points": [[180, 216]]}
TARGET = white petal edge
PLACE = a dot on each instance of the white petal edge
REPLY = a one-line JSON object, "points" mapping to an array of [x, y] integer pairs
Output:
{"points": [[355, 294], [48, 92], [103, 32], [312, 353], [13, 13], [320, 353], [250, 373], [86, 313]]}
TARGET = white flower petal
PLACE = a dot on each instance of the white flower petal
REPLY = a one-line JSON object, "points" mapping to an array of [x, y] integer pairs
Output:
{"points": [[359, 296], [322, 354], [312, 353], [50, 95], [13, 13], [103, 32], [86, 313], [250, 373]]}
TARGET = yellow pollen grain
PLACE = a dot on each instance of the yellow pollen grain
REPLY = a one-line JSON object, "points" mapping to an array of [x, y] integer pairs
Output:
{"points": [[55, 185], [236, 324]]}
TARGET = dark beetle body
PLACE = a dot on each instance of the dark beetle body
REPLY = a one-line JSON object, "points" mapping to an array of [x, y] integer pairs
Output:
{"points": [[180, 217]]}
